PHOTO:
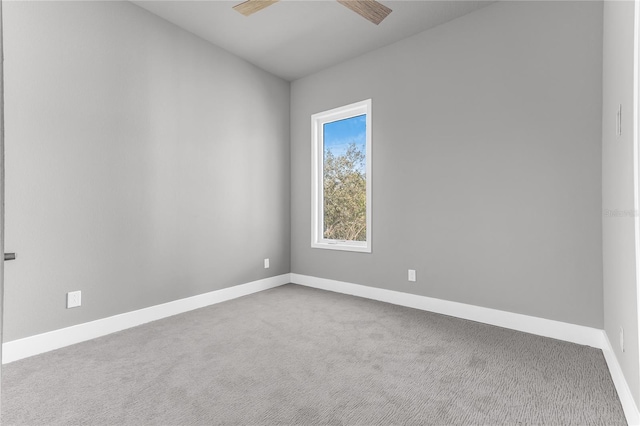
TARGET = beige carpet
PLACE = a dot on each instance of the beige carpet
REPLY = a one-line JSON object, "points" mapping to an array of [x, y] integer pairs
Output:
{"points": [[294, 355]]}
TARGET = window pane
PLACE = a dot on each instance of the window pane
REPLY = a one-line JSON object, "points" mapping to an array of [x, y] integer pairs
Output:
{"points": [[344, 179]]}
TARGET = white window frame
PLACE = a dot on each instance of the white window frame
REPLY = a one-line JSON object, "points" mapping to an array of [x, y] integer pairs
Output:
{"points": [[317, 187]]}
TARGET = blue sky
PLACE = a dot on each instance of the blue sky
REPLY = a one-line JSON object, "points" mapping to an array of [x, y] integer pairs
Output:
{"points": [[338, 135]]}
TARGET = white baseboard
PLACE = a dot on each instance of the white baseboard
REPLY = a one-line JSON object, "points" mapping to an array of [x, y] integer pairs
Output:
{"points": [[33, 345], [540, 326], [622, 387], [543, 327], [40, 343]]}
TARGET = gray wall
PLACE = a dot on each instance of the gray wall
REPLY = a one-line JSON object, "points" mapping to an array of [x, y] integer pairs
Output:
{"points": [[620, 292], [144, 164], [486, 161]]}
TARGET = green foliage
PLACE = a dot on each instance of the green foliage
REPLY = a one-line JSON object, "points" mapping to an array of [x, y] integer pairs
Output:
{"points": [[345, 196]]}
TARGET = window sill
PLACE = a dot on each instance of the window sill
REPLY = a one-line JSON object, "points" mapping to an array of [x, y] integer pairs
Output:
{"points": [[356, 246]]}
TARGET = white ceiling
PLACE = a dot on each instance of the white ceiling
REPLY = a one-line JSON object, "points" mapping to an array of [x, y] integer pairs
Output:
{"points": [[295, 38]]}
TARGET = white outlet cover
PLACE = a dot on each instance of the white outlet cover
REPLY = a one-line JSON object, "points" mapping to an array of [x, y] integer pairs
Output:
{"points": [[74, 299], [622, 339], [266, 263], [412, 275]]}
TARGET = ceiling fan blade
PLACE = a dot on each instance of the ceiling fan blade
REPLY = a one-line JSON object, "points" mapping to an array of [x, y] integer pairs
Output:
{"points": [[368, 9], [252, 6]]}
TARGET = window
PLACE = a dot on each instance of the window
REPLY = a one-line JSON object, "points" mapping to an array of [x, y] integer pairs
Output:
{"points": [[341, 200]]}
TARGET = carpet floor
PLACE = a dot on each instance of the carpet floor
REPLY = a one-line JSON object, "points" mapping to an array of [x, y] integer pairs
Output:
{"points": [[299, 356]]}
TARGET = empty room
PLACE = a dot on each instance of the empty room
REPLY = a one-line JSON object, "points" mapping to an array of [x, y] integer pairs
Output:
{"points": [[308, 212]]}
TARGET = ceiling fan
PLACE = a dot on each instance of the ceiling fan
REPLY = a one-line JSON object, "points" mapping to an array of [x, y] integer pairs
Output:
{"points": [[368, 9]]}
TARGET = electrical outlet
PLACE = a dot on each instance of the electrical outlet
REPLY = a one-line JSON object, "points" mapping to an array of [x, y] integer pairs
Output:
{"points": [[622, 339], [74, 299], [412, 275], [266, 264]]}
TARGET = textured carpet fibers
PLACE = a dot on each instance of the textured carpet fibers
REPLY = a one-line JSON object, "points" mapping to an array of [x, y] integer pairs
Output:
{"points": [[294, 355]]}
